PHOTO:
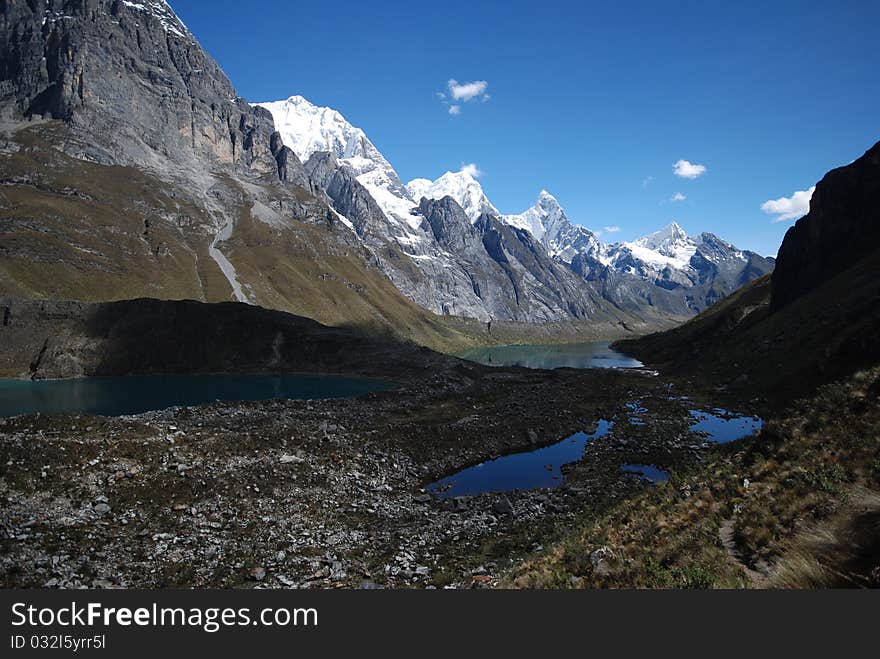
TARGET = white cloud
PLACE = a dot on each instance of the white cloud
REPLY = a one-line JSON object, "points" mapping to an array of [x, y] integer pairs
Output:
{"points": [[612, 229], [463, 92], [472, 169], [647, 182], [686, 169], [789, 208], [468, 91], [677, 197]]}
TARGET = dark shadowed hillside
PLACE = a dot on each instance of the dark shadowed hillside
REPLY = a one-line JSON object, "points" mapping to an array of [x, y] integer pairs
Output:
{"points": [[69, 339]]}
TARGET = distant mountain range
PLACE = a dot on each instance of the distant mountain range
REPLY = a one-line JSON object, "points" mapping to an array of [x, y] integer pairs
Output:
{"points": [[667, 273], [132, 168]]}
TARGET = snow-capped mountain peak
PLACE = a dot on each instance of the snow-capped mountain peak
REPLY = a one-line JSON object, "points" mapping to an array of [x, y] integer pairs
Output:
{"points": [[551, 210], [670, 235], [461, 186], [644, 271], [541, 220], [545, 198], [549, 224], [308, 129], [671, 246], [419, 187]]}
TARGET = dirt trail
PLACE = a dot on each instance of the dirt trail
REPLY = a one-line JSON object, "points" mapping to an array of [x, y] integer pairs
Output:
{"points": [[225, 264], [726, 535]]}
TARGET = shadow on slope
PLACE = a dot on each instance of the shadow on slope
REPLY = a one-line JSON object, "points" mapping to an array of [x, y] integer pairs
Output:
{"points": [[68, 339]]}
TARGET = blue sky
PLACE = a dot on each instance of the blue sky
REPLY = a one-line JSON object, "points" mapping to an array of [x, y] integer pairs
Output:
{"points": [[595, 102]]}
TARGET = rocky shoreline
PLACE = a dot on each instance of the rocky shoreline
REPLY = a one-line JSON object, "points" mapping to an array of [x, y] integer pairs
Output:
{"points": [[321, 494]]}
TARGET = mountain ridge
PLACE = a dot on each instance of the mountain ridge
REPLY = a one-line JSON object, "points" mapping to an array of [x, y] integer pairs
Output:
{"points": [[211, 201], [610, 272]]}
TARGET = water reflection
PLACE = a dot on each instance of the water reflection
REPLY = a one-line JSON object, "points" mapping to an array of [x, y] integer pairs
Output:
{"points": [[723, 427], [531, 470]]}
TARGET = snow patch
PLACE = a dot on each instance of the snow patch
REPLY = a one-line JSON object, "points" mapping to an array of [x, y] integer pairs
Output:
{"points": [[164, 13], [342, 218]]}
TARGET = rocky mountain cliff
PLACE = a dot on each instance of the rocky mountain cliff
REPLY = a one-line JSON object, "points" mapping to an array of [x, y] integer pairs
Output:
{"points": [[507, 269], [843, 225], [131, 75]]}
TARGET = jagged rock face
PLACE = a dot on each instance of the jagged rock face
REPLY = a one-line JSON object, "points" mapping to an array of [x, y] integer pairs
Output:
{"points": [[508, 270], [450, 225], [541, 285], [720, 269], [131, 75], [843, 226], [348, 196]]}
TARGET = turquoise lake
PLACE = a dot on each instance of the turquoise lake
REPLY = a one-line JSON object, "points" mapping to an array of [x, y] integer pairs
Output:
{"points": [[118, 396], [577, 355]]}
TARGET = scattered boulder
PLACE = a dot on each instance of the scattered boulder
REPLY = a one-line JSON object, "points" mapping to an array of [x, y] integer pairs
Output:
{"points": [[601, 560], [456, 504], [503, 507]]}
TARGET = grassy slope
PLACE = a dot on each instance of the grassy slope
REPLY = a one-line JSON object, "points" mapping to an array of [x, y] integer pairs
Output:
{"points": [[75, 230], [70, 229], [808, 517]]}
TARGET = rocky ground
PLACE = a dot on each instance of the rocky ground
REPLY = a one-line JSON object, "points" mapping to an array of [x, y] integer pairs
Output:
{"points": [[324, 493]]}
